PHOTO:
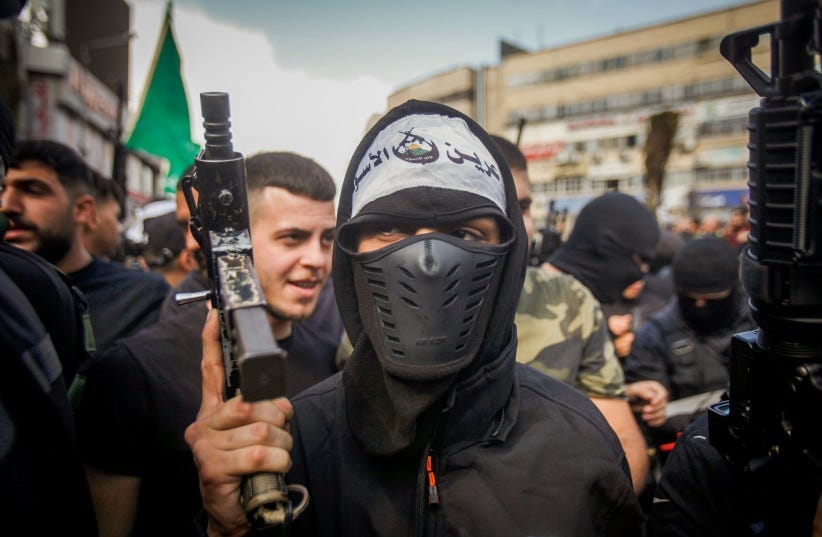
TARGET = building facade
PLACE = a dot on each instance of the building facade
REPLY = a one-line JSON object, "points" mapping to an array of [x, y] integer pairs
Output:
{"points": [[580, 112], [64, 74]]}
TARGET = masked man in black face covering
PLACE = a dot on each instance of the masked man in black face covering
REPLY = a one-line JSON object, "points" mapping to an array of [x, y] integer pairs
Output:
{"points": [[686, 346], [609, 250], [432, 428]]}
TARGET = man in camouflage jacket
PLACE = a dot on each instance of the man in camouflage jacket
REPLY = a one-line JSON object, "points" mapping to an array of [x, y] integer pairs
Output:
{"points": [[561, 331]]}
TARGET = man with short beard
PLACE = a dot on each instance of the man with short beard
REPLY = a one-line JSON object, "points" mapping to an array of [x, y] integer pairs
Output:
{"points": [[47, 196], [142, 394]]}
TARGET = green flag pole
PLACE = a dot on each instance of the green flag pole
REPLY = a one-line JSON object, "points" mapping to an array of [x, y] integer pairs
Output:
{"points": [[163, 125]]}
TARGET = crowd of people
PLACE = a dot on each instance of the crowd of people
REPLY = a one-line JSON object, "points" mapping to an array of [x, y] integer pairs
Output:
{"points": [[438, 381]]}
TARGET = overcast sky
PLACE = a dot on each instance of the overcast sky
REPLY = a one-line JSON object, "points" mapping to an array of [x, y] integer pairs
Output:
{"points": [[305, 76]]}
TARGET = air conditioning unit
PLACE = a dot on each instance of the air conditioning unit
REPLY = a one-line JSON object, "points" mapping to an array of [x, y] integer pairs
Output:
{"points": [[563, 157], [688, 144]]}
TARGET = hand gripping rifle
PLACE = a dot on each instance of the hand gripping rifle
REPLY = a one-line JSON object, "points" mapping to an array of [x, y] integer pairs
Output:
{"points": [[771, 418], [254, 363]]}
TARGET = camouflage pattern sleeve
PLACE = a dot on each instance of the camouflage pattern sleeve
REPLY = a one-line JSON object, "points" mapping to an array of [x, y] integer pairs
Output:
{"points": [[561, 332]]}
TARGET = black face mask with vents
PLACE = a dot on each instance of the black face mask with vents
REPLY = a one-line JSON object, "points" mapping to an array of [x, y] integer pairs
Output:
{"points": [[425, 302], [716, 314], [394, 401]]}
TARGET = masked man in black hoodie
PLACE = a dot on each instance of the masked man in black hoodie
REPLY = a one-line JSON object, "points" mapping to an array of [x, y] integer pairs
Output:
{"points": [[432, 428], [687, 345]]}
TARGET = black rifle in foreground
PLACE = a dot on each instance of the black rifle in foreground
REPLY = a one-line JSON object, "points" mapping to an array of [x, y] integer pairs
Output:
{"points": [[769, 427], [254, 363]]}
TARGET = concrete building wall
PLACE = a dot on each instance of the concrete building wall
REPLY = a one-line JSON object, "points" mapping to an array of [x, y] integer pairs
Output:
{"points": [[61, 79], [454, 88]]}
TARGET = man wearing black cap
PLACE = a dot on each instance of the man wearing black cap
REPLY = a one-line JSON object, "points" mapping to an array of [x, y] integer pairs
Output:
{"points": [[145, 390], [102, 232], [686, 346], [165, 251], [699, 491], [432, 427]]}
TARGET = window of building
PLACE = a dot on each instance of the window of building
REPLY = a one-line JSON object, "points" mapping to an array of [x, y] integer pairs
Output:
{"points": [[663, 54], [628, 101], [721, 175], [678, 179], [723, 127], [569, 184]]}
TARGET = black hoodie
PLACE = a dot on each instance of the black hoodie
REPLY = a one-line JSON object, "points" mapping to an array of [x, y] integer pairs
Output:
{"points": [[504, 451], [612, 235]]}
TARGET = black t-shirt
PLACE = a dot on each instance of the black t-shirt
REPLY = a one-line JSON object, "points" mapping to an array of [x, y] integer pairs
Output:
{"points": [[143, 393], [121, 300], [194, 281]]}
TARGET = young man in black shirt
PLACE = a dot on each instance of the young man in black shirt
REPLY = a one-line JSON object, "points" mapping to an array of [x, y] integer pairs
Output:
{"points": [[142, 394]]}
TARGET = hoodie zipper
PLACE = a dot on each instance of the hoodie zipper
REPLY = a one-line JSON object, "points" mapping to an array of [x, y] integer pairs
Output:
{"points": [[433, 494], [428, 496], [422, 488]]}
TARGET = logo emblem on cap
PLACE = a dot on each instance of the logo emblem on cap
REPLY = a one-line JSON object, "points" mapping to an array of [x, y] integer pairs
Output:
{"points": [[416, 149]]}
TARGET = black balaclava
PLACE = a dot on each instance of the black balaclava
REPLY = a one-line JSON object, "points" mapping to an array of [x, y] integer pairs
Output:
{"points": [[705, 266], [423, 164], [610, 231]]}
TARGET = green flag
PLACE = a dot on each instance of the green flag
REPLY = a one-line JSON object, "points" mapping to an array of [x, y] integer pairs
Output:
{"points": [[163, 126]]}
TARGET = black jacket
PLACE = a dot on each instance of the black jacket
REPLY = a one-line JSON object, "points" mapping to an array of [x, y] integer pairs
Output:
{"points": [[42, 484], [511, 451], [667, 350], [515, 453], [686, 362], [699, 493]]}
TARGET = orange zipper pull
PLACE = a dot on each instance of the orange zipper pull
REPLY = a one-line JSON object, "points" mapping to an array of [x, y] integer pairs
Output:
{"points": [[433, 495]]}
